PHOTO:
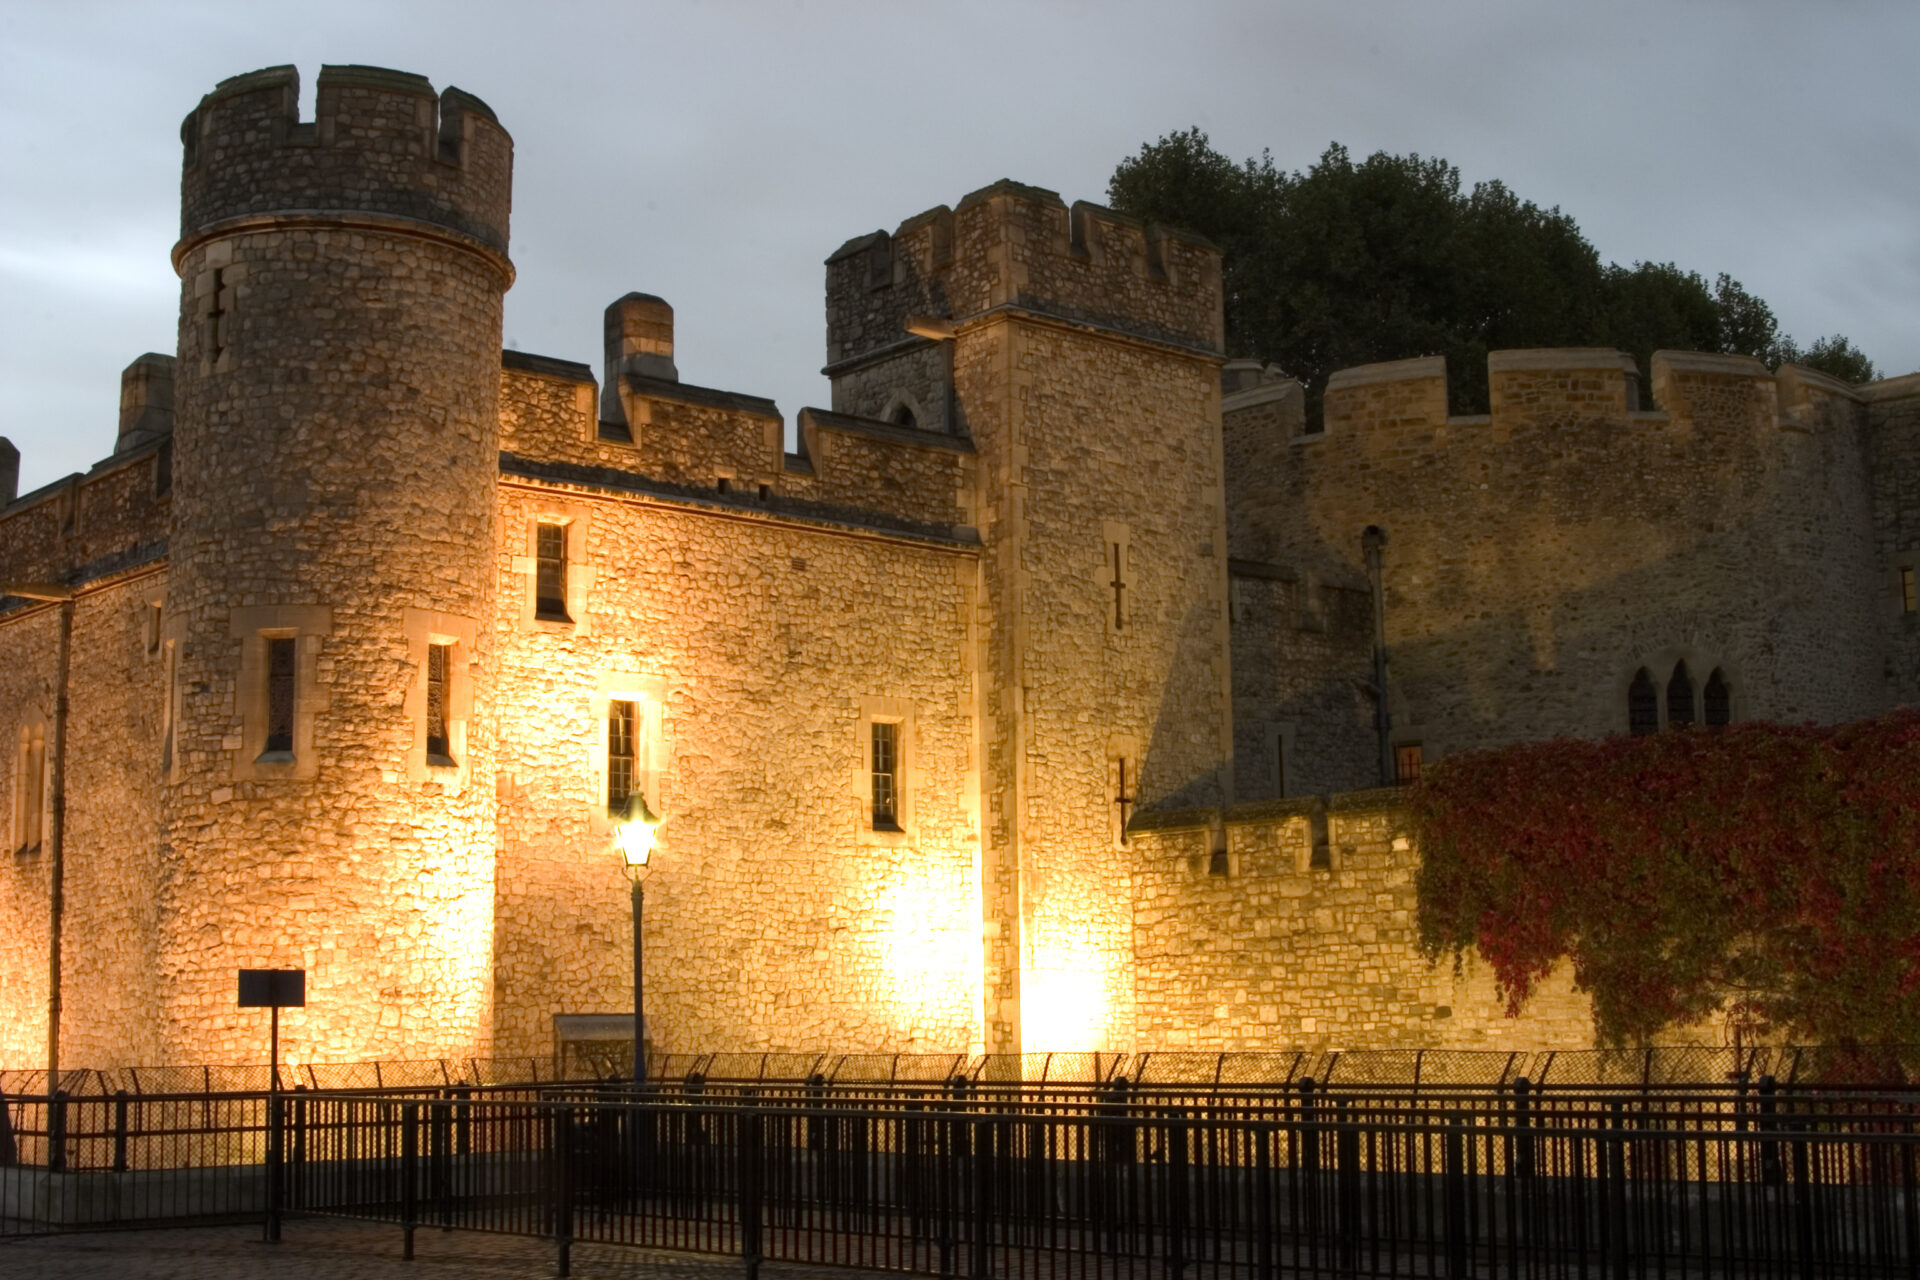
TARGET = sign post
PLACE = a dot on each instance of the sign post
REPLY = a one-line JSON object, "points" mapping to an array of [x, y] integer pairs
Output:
{"points": [[274, 989]]}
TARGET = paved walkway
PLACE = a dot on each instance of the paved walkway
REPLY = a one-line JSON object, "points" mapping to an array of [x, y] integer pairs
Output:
{"points": [[328, 1249]]}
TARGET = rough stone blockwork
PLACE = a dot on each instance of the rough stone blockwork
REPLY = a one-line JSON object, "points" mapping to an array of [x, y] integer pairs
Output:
{"points": [[992, 718]]}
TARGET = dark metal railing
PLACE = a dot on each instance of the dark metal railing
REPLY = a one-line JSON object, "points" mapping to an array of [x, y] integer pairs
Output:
{"points": [[965, 1179], [1684, 1065]]}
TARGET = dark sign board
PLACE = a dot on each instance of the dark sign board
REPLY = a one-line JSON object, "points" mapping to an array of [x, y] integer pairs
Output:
{"points": [[273, 988]]}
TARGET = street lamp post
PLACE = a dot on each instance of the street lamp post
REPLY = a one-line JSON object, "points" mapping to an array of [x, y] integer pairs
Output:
{"points": [[635, 832]]}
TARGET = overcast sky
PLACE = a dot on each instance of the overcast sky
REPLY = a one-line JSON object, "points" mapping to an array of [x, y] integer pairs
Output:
{"points": [[714, 153]]}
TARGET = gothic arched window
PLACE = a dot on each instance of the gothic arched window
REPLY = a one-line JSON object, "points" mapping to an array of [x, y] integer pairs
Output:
{"points": [[1718, 700], [1643, 705], [1680, 697]]}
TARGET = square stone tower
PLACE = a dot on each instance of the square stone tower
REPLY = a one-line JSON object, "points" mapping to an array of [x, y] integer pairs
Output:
{"points": [[1081, 352]]}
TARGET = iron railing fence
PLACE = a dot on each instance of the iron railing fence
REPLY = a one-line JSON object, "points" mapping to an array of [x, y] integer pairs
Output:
{"points": [[1374, 1181], [1869, 1066]]}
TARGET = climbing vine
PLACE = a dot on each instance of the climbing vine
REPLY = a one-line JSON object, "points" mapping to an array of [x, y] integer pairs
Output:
{"points": [[1769, 871]]}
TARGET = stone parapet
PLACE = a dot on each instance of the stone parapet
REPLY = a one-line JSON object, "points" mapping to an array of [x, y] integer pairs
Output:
{"points": [[1013, 245], [381, 143]]}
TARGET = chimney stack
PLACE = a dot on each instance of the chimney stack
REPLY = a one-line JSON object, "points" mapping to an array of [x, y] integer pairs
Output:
{"points": [[146, 401], [9, 471], [639, 335]]}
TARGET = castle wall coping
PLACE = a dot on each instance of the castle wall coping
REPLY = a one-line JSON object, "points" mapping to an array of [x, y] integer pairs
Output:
{"points": [[1008, 187], [1254, 397], [494, 255], [551, 366], [1818, 378], [1710, 362], [143, 559], [249, 81], [877, 429], [1373, 800], [704, 397], [1261, 569], [876, 355], [1388, 371], [1254, 812], [1369, 800], [1529, 359], [1907, 384], [1029, 311], [366, 77], [857, 245], [819, 516], [1165, 821]]}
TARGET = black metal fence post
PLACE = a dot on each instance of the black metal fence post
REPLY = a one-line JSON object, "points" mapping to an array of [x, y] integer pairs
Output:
{"points": [[560, 1174], [751, 1185], [1346, 1150], [979, 1139], [120, 1131], [9, 1148], [1616, 1189], [1177, 1207], [1264, 1137], [409, 1174], [276, 1117], [57, 1132], [1453, 1161]]}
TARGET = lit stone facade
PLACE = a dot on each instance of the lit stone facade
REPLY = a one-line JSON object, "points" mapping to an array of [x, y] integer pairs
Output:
{"points": [[370, 620]]}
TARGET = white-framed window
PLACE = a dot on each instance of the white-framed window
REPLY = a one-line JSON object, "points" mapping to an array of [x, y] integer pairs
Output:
{"points": [[884, 772]]}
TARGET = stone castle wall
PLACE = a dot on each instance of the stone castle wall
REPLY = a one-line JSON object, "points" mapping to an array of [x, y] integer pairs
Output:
{"points": [[1089, 582], [1269, 944], [1539, 556], [1893, 415], [775, 918]]}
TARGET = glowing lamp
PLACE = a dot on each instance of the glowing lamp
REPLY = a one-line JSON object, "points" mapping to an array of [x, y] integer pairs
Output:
{"points": [[634, 833]]}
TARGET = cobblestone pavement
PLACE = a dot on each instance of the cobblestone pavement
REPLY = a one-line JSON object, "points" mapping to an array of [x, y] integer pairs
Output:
{"points": [[326, 1249]]}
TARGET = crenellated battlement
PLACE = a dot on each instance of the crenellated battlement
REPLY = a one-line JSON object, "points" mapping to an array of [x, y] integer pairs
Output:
{"points": [[381, 143], [1013, 245], [1405, 400]]}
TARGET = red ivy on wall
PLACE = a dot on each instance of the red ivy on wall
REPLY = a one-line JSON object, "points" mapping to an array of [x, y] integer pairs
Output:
{"points": [[1770, 871]]}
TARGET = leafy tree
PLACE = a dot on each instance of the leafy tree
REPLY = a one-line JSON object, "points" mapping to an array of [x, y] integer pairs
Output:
{"points": [[1349, 263], [1770, 872]]}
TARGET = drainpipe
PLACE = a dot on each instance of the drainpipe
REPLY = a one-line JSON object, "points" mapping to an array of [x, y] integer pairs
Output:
{"points": [[1372, 542], [57, 811]]}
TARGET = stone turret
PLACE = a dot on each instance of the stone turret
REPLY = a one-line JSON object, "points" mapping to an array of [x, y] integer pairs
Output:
{"points": [[331, 592]]}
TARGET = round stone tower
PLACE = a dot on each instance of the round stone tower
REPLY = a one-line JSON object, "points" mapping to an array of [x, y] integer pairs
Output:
{"points": [[330, 763]]}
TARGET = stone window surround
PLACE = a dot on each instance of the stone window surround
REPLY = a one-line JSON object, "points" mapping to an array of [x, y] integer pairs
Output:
{"points": [[422, 628], [33, 728], [886, 711], [649, 696], [1117, 533], [1659, 666], [252, 626], [577, 517]]}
